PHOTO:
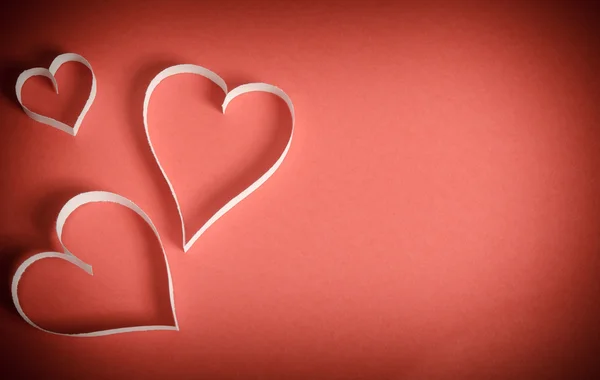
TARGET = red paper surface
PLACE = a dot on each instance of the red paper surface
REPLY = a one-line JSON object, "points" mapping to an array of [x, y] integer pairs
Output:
{"points": [[437, 216]]}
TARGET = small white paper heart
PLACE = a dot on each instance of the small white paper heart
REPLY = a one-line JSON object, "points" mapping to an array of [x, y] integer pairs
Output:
{"points": [[73, 204], [229, 96], [49, 73]]}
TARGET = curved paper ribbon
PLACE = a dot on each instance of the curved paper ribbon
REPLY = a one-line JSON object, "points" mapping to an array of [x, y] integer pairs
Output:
{"points": [[49, 73], [73, 204], [229, 96]]}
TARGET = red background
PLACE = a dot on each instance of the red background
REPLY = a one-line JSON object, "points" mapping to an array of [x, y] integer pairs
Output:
{"points": [[437, 217]]}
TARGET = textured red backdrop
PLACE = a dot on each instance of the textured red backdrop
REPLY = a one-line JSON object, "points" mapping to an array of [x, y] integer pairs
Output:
{"points": [[438, 215]]}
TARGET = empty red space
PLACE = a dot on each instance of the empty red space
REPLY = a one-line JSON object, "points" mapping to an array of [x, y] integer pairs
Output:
{"points": [[437, 215]]}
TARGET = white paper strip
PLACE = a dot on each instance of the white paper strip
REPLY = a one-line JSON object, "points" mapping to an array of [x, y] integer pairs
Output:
{"points": [[50, 73], [229, 96], [73, 204]]}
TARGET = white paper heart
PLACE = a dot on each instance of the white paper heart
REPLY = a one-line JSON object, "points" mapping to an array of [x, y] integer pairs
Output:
{"points": [[49, 73], [229, 96], [73, 204]]}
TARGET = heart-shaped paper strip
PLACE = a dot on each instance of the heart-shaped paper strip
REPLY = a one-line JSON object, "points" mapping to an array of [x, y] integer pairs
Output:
{"points": [[229, 96], [49, 73], [73, 204]]}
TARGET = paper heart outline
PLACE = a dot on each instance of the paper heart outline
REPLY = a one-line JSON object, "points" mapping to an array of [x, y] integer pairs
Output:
{"points": [[229, 96], [50, 74], [71, 205]]}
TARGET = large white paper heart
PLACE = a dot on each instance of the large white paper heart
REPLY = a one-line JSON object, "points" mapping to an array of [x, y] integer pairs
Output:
{"points": [[49, 73], [73, 204], [229, 96]]}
